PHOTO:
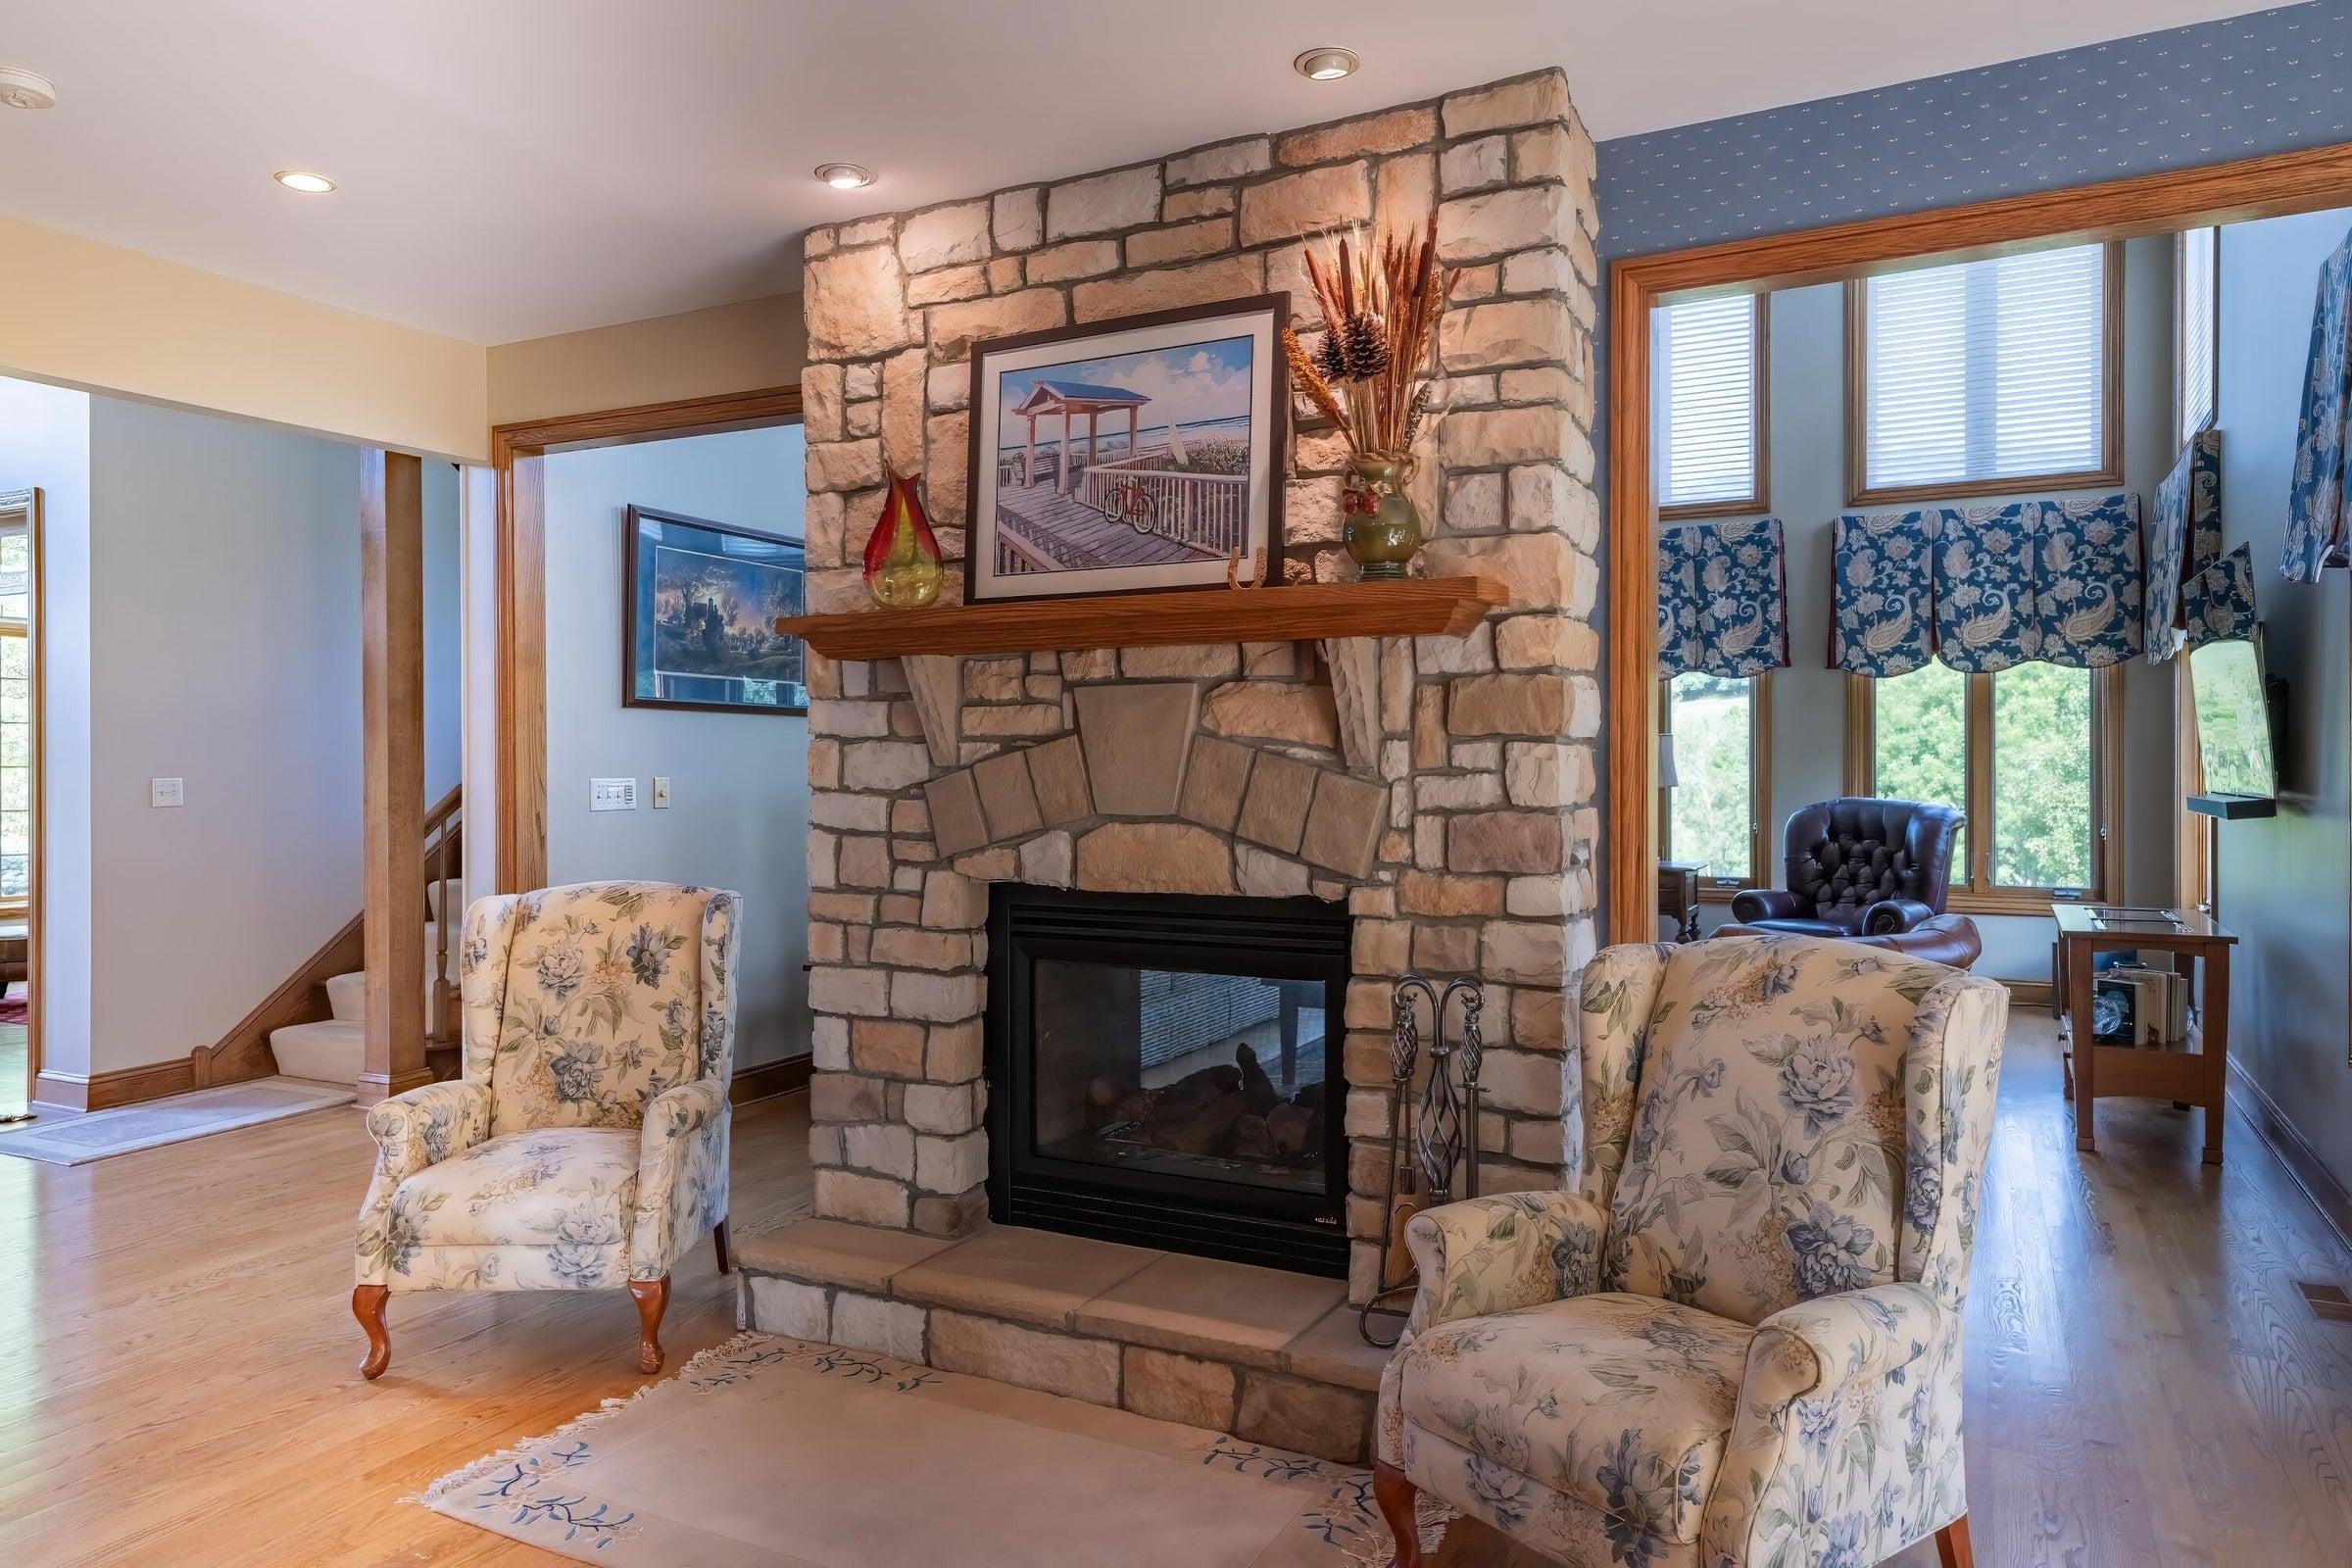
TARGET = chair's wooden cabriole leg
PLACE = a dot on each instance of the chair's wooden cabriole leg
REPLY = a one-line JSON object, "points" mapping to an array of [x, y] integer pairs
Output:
{"points": [[1394, 1494], [1952, 1545], [653, 1300], [718, 1239], [367, 1305]]}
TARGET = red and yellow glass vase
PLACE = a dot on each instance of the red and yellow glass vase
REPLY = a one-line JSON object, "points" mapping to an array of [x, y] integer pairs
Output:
{"points": [[901, 557]]}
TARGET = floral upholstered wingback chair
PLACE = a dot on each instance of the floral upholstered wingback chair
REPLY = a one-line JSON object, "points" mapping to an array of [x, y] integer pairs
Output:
{"points": [[586, 1146], [1734, 1343]]}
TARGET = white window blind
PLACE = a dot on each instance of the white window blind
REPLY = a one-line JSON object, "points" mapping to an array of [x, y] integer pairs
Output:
{"points": [[1703, 358], [1987, 371], [2195, 265]]}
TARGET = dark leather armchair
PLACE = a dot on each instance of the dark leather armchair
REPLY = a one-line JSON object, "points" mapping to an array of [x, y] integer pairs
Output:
{"points": [[1858, 867], [1947, 939]]}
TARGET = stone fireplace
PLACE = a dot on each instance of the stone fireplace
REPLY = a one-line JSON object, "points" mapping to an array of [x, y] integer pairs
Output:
{"points": [[1436, 792]]}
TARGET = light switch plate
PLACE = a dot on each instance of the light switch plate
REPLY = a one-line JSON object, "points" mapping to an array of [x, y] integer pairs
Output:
{"points": [[165, 791], [661, 792], [612, 795]]}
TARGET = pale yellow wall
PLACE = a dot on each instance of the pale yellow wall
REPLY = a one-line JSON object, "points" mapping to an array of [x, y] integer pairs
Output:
{"points": [[82, 313], [729, 348]]}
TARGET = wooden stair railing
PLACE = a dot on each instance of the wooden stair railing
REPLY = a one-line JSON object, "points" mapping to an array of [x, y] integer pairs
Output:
{"points": [[444, 844]]}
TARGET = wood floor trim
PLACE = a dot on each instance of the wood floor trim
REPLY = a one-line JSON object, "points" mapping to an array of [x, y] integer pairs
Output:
{"points": [[768, 1080], [2304, 1166], [123, 1086]]}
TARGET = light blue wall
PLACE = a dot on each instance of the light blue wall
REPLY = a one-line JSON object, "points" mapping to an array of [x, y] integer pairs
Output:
{"points": [[740, 781], [224, 650], [2284, 880]]}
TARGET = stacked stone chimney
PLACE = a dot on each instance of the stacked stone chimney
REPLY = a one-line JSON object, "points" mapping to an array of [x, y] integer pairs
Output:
{"points": [[1442, 787]]}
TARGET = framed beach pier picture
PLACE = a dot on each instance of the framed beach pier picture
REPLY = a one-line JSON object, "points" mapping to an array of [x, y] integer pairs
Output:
{"points": [[699, 607], [1130, 455]]}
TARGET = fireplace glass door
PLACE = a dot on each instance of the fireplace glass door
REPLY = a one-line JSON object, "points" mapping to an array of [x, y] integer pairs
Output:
{"points": [[1216, 1076], [1166, 1071]]}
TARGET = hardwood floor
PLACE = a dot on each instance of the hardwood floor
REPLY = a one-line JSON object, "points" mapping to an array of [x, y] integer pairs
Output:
{"points": [[179, 1382], [179, 1377]]}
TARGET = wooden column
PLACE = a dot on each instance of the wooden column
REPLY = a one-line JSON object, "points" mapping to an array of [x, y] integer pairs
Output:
{"points": [[392, 702], [1062, 477], [1029, 455], [522, 671]]}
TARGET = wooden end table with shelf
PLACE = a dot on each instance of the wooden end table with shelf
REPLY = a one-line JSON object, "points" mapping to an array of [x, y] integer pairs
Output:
{"points": [[2194, 1073]]}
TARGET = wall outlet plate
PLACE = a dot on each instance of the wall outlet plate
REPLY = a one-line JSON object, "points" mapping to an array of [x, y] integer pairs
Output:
{"points": [[661, 792], [165, 791], [612, 795]]}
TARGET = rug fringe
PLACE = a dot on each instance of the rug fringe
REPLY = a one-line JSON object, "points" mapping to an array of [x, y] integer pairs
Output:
{"points": [[489, 1464]]}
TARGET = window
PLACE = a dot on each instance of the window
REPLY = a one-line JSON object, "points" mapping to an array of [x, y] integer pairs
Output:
{"points": [[2024, 753], [1709, 426], [1985, 378], [2196, 307], [1714, 815]]}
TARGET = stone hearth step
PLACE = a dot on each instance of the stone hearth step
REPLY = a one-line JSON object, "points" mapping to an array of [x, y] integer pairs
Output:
{"points": [[1270, 1356]]}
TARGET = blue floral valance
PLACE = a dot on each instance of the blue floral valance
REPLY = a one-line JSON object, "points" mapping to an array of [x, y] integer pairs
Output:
{"points": [[1722, 599], [1984, 604], [2184, 540], [2317, 504], [2222, 599], [1884, 590], [2087, 588], [1985, 588]]}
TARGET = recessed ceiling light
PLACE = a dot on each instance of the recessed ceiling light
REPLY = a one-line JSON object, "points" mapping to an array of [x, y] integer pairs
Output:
{"points": [[26, 90], [307, 184], [1326, 64], [844, 176]]}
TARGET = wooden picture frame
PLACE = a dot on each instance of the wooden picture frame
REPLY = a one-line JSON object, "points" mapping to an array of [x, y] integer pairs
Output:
{"points": [[1182, 521], [730, 578]]}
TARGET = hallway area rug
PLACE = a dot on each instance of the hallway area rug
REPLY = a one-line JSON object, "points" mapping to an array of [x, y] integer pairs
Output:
{"points": [[70, 1140], [790, 1454]]}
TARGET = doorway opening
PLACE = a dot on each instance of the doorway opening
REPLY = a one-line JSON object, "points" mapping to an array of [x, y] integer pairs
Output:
{"points": [[20, 800]]}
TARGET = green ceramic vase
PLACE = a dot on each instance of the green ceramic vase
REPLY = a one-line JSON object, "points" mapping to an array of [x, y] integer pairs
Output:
{"points": [[1383, 540]]}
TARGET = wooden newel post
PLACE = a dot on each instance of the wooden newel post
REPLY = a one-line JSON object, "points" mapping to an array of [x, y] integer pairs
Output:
{"points": [[392, 704]]}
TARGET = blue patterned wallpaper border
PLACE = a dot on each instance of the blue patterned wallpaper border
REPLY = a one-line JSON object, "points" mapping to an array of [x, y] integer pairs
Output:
{"points": [[2217, 91]]}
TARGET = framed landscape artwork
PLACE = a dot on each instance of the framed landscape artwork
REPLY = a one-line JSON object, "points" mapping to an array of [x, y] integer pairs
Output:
{"points": [[700, 604], [1130, 455]]}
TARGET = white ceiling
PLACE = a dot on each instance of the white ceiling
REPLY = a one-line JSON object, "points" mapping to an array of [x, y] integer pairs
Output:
{"points": [[516, 168]]}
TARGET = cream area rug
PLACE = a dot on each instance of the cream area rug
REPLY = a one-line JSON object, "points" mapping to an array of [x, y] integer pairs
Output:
{"points": [[69, 1140], [789, 1454]]}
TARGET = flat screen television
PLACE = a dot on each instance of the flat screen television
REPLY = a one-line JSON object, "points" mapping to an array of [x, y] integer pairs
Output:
{"points": [[2234, 731]]}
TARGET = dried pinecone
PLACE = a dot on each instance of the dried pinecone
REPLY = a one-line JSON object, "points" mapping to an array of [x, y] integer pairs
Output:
{"points": [[1364, 342], [1331, 357]]}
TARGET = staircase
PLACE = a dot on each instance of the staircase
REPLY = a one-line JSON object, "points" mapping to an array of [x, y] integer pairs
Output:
{"points": [[333, 1049]]}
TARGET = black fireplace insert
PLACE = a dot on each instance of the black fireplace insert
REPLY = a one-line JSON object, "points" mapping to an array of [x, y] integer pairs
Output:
{"points": [[1165, 1070]]}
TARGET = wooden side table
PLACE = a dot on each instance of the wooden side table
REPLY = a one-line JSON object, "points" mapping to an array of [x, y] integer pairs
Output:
{"points": [[2197, 1074], [1677, 896]]}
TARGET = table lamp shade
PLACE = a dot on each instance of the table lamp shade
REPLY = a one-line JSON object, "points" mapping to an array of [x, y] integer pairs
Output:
{"points": [[1666, 775]]}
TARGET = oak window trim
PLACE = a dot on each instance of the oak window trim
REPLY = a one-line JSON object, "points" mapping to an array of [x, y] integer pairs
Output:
{"points": [[1972, 889], [2110, 469], [1715, 889], [1759, 434]]}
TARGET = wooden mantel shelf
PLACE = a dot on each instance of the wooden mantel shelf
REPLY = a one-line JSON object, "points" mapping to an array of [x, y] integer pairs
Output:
{"points": [[1416, 607]]}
